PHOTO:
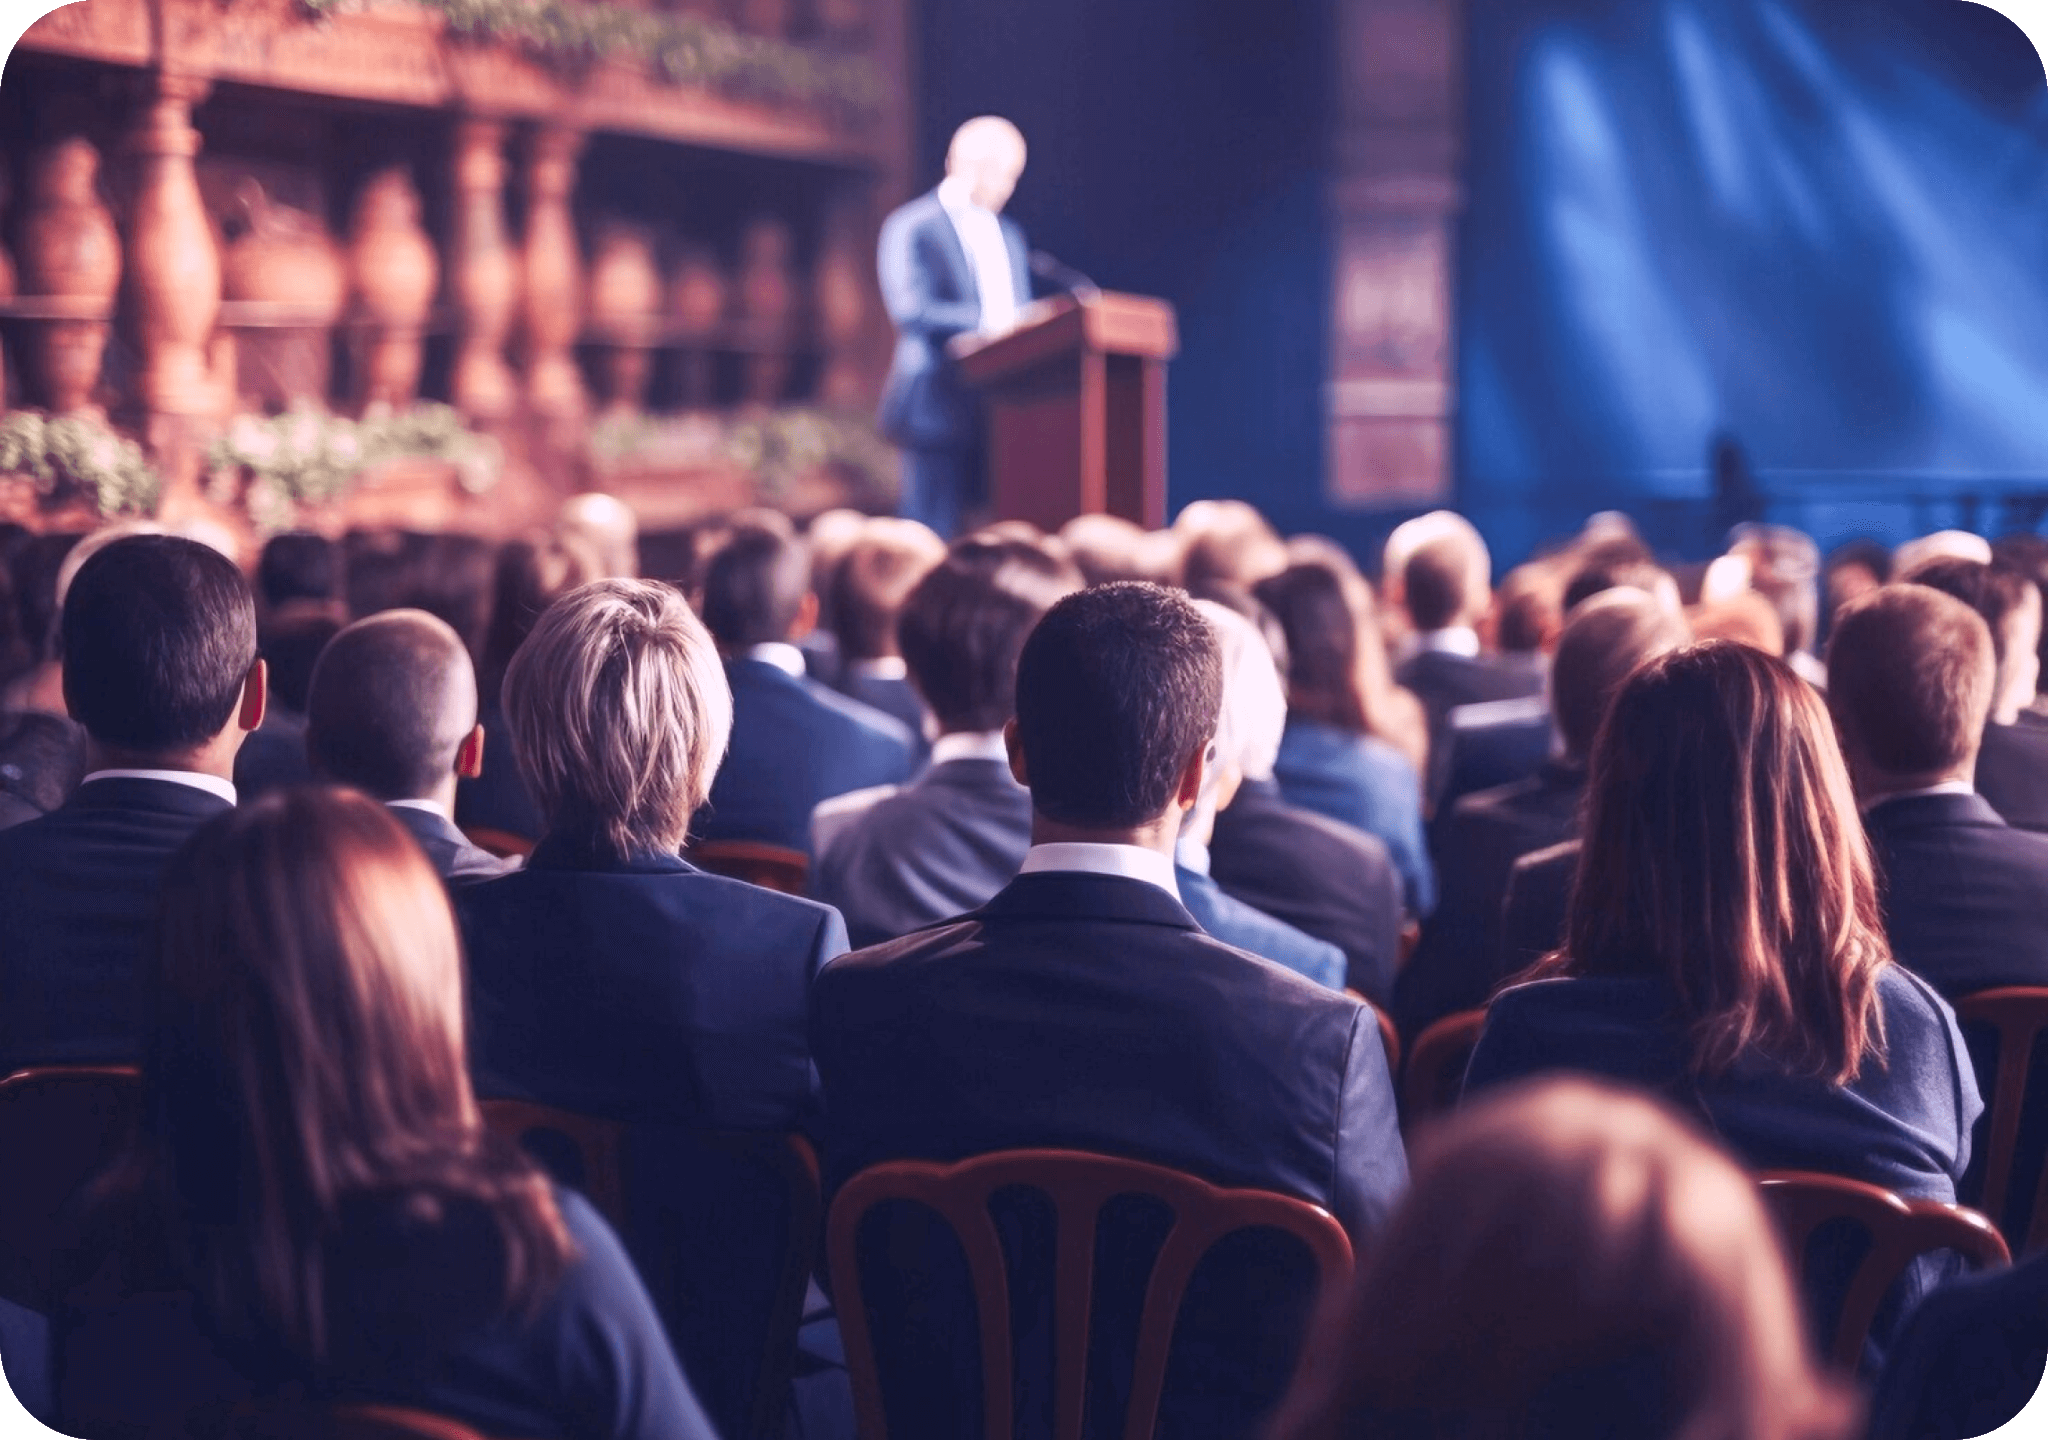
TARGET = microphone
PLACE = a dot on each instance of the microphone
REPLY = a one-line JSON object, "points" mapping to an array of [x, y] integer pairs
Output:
{"points": [[1047, 267]]}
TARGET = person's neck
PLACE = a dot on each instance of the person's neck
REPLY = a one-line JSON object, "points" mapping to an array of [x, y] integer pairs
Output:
{"points": [[1156, 835], [442, 795], [215, 758], [1875, 788]]}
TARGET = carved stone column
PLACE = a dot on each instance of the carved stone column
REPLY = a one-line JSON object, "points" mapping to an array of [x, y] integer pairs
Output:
{"points": [[1394, 206], [554, 276], [483, 276], [173, 268]]}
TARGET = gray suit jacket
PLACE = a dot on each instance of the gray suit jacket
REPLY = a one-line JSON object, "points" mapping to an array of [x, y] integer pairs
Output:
{"points": [[457, 861]]}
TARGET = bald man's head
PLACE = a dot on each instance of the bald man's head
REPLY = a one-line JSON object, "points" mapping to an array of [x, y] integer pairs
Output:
{"points": [[987, 154], [393, 706]]}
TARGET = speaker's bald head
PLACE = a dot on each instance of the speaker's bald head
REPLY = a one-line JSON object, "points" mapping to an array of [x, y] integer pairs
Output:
{"points": [[392, 700]]}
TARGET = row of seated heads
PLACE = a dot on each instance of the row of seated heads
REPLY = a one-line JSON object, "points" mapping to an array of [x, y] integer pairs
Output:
{"points": [[1717, 782]]}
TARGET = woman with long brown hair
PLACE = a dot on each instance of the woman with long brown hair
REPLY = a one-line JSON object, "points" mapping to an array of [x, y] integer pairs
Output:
{"points": [[1342, 754], [314, 1206], [1723, 943]]}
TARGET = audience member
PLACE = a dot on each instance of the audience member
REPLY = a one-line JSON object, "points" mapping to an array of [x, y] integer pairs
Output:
{"points": [[531, 575], [314, 1192], [2012, 761], [297, 568], [795, 742], [1969, 1359], [1456, 965], [274, 755], [1334, 757], [894, 860], [1854, 569], [607, 527], [1227, 542], [1941, 545], [1083, 1008], [868, 588], [160, 667], [1322, 877], [1784, 568], [392, 711], [1744, 618], [1248, 725], [829, 536], [1572, 1261], [1724, 945], [449, 575], [2026, 554], [1911, 674]]}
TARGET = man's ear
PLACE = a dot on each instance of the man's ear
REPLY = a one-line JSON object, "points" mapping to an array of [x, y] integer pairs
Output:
{"points": [[1016, 749], [469, 756], [806, 617], [255, 696], [1190, 788]]}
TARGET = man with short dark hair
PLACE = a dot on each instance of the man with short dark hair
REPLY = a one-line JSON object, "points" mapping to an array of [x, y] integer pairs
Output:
{"points": [[2012, 760], [894, 860], [1911, 676], [1083, 1008], [794, 742], [392, 711], [1455, 967], [160, 668]]}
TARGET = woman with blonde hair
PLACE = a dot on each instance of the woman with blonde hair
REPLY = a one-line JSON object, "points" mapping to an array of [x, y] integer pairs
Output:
{"points": [[314, 1208], [1355, 742], [1571, 1261], [1723, 943]]}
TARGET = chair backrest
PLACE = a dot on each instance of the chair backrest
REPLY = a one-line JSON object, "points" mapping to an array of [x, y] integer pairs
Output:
{"points": [[501, 843], [2018, 1014], [1079, 1186], [593, 1155], [1899, 1229], [59, 1127], [770, 866], [301, 1420], [1436, 1064]]}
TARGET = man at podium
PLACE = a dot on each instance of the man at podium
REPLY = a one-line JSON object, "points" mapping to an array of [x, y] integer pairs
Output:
{"points": [[950, 266]]}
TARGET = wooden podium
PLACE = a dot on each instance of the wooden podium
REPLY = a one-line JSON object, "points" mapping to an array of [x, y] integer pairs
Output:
{"points": [[1076, 406]]}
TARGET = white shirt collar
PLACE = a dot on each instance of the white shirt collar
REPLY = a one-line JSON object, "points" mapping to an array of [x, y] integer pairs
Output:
{"points": [[882, 667], [970, 745], [1130, 862], [1946, 787], [1191, 854], [784, 657], [956, 196], [432, 807], [1458, 640], [211, 784]]}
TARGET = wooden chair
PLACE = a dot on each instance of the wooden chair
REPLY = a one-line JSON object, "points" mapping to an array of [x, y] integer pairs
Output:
{"points": [[2018, 1014], [501, 843], [1436, 1065], [1899, 1230], [769, 866], [591, 1155], [1389, 1036], [1079, 1186], [288, 1420], [59, 1127]]}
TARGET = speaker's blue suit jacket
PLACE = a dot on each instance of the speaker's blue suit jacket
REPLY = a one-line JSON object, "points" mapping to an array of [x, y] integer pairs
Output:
{"points": [[928, 287]]}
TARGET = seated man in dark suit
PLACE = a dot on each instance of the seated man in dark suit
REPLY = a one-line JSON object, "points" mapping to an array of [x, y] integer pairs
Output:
{"points": [[1248, 726], [1454, 968], [160, 668], [869, 585], [1969, 1360], [2012, 761], [1911, 676], [1083, 1008], [794, 742], [1445, 585], [392, 711], [894, 860]]}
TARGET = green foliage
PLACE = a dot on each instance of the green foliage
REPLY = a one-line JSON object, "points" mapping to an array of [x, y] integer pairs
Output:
{"points": [[681, 50], [74, 453], [307, 456], [776, 446]]}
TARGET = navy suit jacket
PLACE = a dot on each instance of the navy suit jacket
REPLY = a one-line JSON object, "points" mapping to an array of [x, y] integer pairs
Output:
{"points": [[1443, 681], [1323, 877], [641, 988], [1241, 927], [1968, 1360], [1965, 894], [928, 288], [455, 859], [894, 696], [78, 892], [795, 742], [2012, 773], [1458, 962], [939, 847], [1091, 1012]]}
